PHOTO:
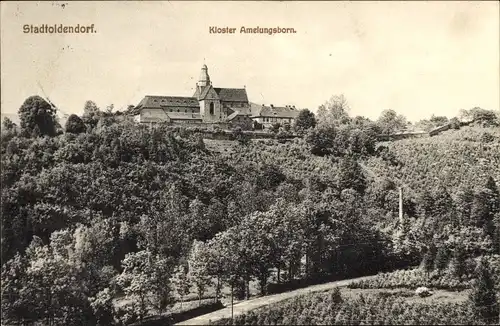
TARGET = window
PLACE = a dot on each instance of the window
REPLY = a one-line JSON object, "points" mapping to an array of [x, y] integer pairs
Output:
{"points": [[212, 108]]}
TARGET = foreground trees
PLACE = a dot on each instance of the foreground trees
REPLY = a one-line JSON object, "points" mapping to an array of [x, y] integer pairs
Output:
{"points": [[483, 295], [145, 280]]}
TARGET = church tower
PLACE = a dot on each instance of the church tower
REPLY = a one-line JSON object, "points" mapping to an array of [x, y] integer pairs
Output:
{"points": [[210, 104], [204, 77]]}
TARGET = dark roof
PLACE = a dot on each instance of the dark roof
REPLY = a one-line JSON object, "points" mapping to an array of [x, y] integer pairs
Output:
{"points": [[204, 92], [236, 114], [183, 116], [232, 94], [275, 111], [150, 101]]}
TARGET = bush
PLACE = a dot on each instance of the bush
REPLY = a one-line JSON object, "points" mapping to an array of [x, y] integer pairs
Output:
{"points": [[75, 124]]}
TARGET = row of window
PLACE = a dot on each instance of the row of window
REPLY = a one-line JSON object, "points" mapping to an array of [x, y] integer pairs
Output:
{"points": [[185, 110], [274, 119], [211, 109]]}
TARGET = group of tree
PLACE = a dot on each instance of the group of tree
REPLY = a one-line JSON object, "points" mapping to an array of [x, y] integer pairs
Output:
{"points": [[110, 208]]}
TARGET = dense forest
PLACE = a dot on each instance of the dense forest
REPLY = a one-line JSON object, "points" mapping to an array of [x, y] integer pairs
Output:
{"points": [[105, 209]]}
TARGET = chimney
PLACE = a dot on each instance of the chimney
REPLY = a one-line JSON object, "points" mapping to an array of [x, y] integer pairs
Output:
{"points": [[272, 106], [401, 205]]}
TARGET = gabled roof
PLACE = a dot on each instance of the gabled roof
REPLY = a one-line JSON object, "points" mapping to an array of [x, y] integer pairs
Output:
{"points": [[232, 94], [150, 101], [235, 114], [275, 111]]}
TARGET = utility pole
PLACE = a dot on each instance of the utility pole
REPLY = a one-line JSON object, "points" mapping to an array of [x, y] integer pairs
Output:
{"points": [[401, 220], [232, 307]]}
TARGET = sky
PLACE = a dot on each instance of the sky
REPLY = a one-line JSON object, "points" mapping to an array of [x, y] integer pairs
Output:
{"points": [[417, 58]]}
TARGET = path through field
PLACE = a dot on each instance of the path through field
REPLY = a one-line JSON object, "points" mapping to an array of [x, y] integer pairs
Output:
{"points": [[251, 304]]}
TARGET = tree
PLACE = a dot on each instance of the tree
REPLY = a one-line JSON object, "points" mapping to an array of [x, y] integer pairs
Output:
{"points": [[102, 305], [38, 117], [351, 175], [199, 268], [428, 259], [438, 121], [181, 282], [145, 280], [485, 206], [390, 122], [458, 262], [465, 197], [483, 296], [321, 140], [493, 196], [91, 114], [240, 136], [75, 124], [442, 258], [455, 123], [46, 285], [334, 112], [90, 108], [305, 120], [8, 124], [270, 177], [486, 117], [443, 206]]}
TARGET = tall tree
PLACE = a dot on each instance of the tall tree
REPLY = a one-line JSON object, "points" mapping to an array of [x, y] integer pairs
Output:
{"points": [[199, 268], [181, 282], [428, 259], [442, 258], [458, 261], [483, 294], [38, 117], [493, 196], [91, 114], [335, 111], [305, 120], [351, 175], [464, 199]]}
